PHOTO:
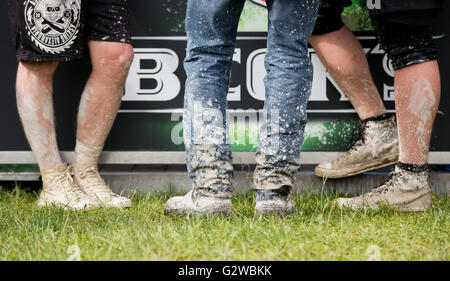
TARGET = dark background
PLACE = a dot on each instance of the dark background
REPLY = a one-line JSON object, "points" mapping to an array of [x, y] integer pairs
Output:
{"points": [[160, 18]]}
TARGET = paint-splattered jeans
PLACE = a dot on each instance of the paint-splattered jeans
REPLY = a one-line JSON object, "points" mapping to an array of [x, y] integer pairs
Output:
{"points": [[211, 28]]}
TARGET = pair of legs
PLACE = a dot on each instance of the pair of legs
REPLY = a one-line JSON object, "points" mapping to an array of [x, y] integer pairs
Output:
{"points": [[44, 37], [344, 58], [98, 108], [417, 91], [99, 104], [417, 94], [211, 28]]}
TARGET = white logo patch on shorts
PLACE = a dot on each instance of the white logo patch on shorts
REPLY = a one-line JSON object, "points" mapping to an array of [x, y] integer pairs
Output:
{"points": [[53, 25]]}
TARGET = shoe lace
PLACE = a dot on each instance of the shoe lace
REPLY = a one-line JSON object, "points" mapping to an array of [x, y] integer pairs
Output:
{"points": [[95, 181], [356, 143], [384, 187], [67, 180]]}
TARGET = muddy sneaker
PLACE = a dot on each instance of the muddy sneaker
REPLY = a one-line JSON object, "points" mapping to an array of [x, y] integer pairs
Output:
{"points": [[198, 204], [403, 190], [274, 202], [61, 191], [90, 181], [376, 148]]}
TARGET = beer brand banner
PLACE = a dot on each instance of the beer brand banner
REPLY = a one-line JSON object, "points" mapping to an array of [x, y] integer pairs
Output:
{"points": [[151, 112]]}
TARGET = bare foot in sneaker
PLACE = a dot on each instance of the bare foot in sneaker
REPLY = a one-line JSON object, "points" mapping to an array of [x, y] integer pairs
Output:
{"points": [[196, 203], [89, 180], [404, 190], [376, 148], [61, 191], [274, 202]]}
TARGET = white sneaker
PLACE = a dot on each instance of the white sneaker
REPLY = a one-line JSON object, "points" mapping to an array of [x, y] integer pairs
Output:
{"points": [[197, 204], [61, 191], [376, 148], [403, 190], [89, 180]]}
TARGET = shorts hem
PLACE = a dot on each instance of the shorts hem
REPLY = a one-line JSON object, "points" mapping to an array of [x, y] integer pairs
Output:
{"points": [[36, 58], [108, 38]]}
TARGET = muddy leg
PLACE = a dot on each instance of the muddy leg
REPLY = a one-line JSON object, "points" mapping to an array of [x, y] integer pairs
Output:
{"points": [[417, 95], [344, 57], [35, 104], [101, 98], [98, 109]]}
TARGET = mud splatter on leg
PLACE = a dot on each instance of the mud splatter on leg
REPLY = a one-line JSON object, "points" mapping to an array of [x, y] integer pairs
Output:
{"points": [[102, 95], [35, 105], [417, 95], [344, 58]]}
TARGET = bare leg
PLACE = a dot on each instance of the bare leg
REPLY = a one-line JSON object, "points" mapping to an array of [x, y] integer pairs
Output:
{"points": [[343, 56], [35, 104], [101, 98], [417, 95], [98, 109]]}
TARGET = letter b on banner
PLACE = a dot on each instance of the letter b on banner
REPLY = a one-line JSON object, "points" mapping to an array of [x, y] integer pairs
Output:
{"points": [[152, 76]]}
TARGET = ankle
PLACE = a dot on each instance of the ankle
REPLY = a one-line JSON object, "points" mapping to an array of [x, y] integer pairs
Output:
{"points": [[56, 170], [413, 168], [381, 117], [86, 155], [44, 169], [269, 194]]}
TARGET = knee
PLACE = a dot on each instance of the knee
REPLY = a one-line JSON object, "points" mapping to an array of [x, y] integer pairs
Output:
{"points": [[407, 44], [114, 60]]}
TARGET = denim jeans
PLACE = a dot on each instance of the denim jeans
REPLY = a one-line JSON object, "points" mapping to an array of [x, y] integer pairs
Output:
{"points": [[211, 26]]}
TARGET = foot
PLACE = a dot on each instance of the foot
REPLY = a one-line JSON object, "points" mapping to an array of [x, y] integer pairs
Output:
{"points": [[376, 148], [197, 204], [61, 191], [274, 202], [404, 191], [89, 180]]}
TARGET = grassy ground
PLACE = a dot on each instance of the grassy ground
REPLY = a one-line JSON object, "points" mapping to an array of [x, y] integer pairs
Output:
{"points": [[318, 231]]}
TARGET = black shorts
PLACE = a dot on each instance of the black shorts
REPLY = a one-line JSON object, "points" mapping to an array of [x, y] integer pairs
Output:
{"points": [[410, 12], [58, 30], [329, 18]]}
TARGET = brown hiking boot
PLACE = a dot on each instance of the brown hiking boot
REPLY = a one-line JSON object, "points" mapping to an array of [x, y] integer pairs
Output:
{"points": [[404, 191], [377, 147]]}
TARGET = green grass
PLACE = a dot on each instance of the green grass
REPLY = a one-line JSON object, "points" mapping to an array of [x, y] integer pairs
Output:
{"points": [[318, 231]]}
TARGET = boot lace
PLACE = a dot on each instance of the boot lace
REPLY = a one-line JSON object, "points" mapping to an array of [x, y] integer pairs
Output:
{"points": [[384, 186]]}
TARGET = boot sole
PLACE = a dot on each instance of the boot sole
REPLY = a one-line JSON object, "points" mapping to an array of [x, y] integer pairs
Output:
{"points": [[339, 174], [272, 212], [217, 211]]}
